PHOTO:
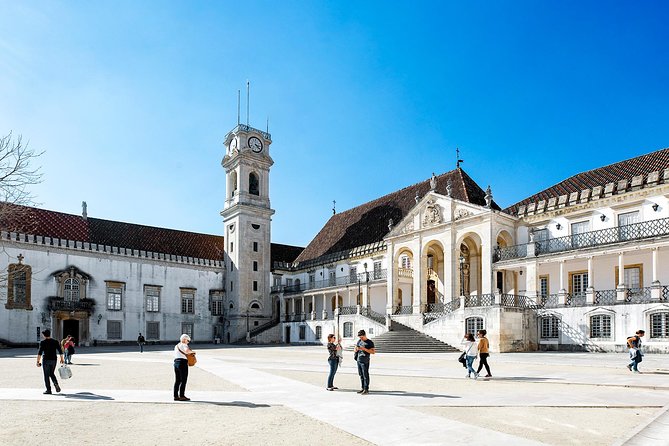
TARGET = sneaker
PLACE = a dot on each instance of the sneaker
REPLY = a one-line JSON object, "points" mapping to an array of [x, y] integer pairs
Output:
{"points": [[184, 398], [629, 367], [47, 392], [636, 371], [360, 391], [330, 389], [57, 388], [467, 376], [488, 376], [335, 388], [365, 392], [476, 376]]}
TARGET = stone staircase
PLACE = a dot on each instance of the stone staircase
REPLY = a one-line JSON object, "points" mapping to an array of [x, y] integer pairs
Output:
{"points": [[402, 339]]}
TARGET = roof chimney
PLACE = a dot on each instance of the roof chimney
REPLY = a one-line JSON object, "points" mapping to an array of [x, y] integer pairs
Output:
{"points": [[84, 214]]}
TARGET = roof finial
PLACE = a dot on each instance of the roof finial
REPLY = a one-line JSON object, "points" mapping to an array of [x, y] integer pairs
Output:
{"points": [[433, 182], [417, 197], [84, 208], [488, 197], [334, 207], [390, 224], [457, 157], [20, 257], [449, 187]]}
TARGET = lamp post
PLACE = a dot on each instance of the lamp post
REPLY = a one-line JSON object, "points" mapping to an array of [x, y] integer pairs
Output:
{"points": [[366, 283], [462, 275]]}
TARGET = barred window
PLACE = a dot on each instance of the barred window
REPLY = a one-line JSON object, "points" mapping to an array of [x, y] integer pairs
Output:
{"points": [[152, 297], [377, 270], [348, 329], [319, 332], [473, 325], [114, 330], [550, 327], [187, 328], [114, 295], [187, 300], [71, 289], [153, 330], [659, 325], [353, 273], [19, 287], [405, 261], [600, 326], [303, 332]]}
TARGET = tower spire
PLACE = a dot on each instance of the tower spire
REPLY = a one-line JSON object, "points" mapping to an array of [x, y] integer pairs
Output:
{"points": [[457, 157]]}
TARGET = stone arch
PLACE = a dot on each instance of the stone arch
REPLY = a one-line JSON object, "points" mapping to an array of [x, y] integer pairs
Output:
{"points": [[254, 183], [469, 264], [434, 274], [233, 183], [403, 268], [504, 238], [336, 301]]}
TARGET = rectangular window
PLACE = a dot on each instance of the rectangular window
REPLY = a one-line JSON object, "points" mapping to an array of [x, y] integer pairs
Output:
{"points": [[289, 282], [216, 299], [114, 295], [540, 239], [232, 246], [659, 325], [377, 270], [19, 277], [153, 330], [276, 280], [353, 273], [578, 284], [332, 277], [549, 327], [319, 331], [348, 329], [473, 325], [255, 266], [312, 279], [303, 332], [255, 285], [633, 276], [579, 234], [187, 300], [19, 287], [231, 287], [405, 262], [114, 330], [543, 287], [600, 326], [255, 246], [187, 328], [152, 298], [627, 229]]}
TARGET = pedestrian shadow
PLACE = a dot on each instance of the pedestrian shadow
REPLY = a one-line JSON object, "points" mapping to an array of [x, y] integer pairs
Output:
{"points": [[233, 404], [519, 378], [82, 364], [410, 394], [86, 396]]}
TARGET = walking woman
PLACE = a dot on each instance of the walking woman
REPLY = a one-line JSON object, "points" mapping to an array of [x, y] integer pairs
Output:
{"points": [[181, 350], [333, 360], [471, 352], [484, 353]]}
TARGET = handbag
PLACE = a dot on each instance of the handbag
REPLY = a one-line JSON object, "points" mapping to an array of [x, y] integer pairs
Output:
{"points": [[462, 359], [65, 372], [190, 357]]}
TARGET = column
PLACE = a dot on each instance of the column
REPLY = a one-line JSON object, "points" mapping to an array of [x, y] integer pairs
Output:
{"points": [[390, 279], [590, 291], [417, 276], [313, 307], [325, 308], [562, 295], [621, 292], [531, 280], [655, 286], [348, 300], [304, 309]]}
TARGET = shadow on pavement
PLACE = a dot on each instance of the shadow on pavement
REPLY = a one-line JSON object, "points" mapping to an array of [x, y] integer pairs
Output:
{"points": [[83, 364], [520, 378], [403, 393], [86, 396], [233, 404]]}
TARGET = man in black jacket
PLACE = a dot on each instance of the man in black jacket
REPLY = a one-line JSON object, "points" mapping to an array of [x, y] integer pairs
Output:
{"points": [[48, 347]]}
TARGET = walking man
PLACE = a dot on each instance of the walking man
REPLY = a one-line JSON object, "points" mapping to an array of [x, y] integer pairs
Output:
{"points": [[48, 348], [364, 348], [634, 344], [141, 341]]}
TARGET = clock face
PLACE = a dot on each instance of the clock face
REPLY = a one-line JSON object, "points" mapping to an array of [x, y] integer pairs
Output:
{"points": [[255, 144]]}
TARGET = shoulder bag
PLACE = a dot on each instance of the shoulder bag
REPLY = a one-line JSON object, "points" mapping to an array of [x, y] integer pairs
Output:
{"points": [[190, 357]]}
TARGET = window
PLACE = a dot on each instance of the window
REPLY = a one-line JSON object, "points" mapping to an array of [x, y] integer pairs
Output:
{"points": [[289, 282], [152, 298], [659, 325], [348, 329], [255, 285], [187, 328], [473, 325], [353, 273], [626, 227], [187, 300], [405, 261], [298, 306], [216, 299], [332, 277], [19, 279], [549, 327], [319, 332], [153, 330], [232, 245], [358, 299], [254, 184], [578, 233], [377, 270], [114, 295], [543, 287], [370, 331], [303, 332], [312, 279], [600, 326], [578, 284], [255, 306], [633, 277], [255, 266], [255, 246], [276, 280], [231, 287], [71, 289], [114, 330]]}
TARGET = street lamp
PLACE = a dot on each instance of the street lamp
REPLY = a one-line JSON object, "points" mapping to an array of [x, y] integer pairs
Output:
{"points": [[462, 275]]}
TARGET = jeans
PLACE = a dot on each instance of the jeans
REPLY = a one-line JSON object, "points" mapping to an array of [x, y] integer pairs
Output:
{"points": [[363, 371], [180, 377], [635, 361], [141, 347], [470, 362], [334, 365], [484, 362], [66, 355], [48, 368]]}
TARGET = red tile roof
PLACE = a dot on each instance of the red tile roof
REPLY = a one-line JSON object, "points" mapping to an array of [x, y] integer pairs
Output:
{"points": [[368, 223], [641, 165]]}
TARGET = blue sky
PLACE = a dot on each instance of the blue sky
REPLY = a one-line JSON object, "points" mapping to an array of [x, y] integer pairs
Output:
{"points": [[131, 100]]}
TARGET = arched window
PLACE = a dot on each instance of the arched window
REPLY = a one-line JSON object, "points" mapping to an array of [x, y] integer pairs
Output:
{"points": [[473, 325], [348, 329], [600, 326], [254, 184], [233, 183], [71, 289], [255, 306], [659, 325]]}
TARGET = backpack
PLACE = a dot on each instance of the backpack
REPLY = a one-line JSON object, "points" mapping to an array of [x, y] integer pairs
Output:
{"points": [[632, 341]]}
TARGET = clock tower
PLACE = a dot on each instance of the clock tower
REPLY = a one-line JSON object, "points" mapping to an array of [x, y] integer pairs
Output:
{"points": [[248, 216]]}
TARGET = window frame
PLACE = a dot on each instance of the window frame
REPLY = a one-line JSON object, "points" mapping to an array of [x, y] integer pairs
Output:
{"points": [[111, 334], [152, 300], [187, 296], [474, 320], [662, 325], [149, 333], [26, 302], [115, 303], [603, 327], [551, 331]]}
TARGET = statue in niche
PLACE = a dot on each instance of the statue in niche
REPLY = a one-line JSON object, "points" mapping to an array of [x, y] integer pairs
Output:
{"points": [[465, 266], [449, 188], [432, 213]]}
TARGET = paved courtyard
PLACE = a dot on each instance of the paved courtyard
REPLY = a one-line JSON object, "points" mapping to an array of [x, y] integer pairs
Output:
{"points": [[276, 395]]}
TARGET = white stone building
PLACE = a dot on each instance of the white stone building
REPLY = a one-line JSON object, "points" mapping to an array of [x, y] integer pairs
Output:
{"points": [[578, 266]]}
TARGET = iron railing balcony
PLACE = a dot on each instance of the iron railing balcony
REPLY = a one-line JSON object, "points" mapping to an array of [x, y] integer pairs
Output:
{"points": [[619, 234], [60, 304], [360, 278]]}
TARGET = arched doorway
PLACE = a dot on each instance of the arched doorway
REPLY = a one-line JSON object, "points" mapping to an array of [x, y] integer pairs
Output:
{"points": [[469, 265]]}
